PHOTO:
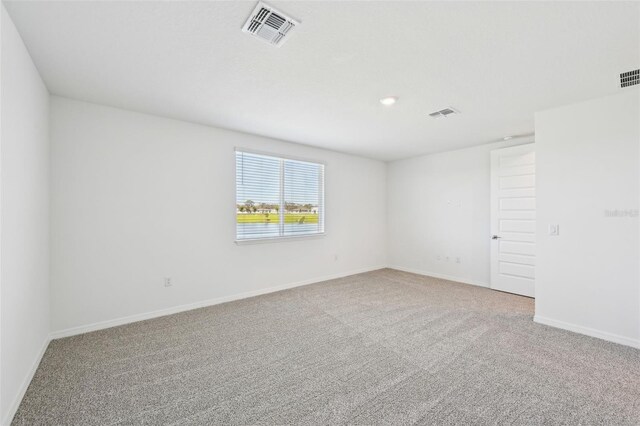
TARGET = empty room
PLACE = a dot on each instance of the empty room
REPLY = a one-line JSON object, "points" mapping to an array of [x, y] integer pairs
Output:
{"points": [[319, 213]]}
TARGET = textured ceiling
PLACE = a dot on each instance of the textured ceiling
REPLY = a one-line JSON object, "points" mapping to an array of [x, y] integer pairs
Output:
{"points": [[497, 63]]}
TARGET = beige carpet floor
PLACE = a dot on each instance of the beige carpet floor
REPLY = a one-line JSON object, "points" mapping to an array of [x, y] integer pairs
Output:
{"points": [[384, 347]]}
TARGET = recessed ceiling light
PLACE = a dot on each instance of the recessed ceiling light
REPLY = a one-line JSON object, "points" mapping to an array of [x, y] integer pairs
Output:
{"points": [[506, 138], [390, 100]]}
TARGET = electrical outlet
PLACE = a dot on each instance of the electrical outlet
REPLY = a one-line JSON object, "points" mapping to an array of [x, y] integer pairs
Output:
{"points": [[554, 230], [458, 260], [168, 282]]}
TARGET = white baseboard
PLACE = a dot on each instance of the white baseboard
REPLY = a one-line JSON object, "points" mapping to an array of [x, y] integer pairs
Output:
{"points": [[441, 276], [201, 304], [181, 308], [615, 338], [13, 408]]}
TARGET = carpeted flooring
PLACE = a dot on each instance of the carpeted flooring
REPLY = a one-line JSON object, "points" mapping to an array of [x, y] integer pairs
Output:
{"points": [[384, 347]]}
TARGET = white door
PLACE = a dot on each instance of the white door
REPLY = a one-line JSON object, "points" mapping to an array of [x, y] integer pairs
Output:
{"points": [[513, 219]]}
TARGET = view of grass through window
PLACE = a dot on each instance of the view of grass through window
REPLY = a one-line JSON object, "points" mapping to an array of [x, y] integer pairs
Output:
{"points": [[277, 197]]}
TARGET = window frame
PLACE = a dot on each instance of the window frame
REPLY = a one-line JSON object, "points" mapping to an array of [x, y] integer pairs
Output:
{"points": [[321, 208]]}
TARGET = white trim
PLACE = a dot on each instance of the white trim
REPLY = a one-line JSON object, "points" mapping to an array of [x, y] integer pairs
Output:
{"points": [[441, 276], [610, 337], [498, 281], [604, 335], [13, 408], [283, 238], [210, 302], [282, 210]]}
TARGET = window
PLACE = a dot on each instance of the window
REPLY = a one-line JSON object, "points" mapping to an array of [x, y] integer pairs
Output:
{"points": [[278, 197]]}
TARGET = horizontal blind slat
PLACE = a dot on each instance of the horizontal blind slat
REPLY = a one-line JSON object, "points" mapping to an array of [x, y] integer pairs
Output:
{"points": [[259, 179]]}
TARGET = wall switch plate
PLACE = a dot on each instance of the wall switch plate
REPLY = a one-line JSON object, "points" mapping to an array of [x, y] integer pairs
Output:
{"points": [[167, 282], [554, 230]]}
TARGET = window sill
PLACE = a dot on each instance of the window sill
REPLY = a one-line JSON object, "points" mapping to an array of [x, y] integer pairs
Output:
{"points": [[249, 241]]}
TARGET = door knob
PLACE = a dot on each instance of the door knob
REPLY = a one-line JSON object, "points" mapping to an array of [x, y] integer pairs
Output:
{"points": [[495, 237]]}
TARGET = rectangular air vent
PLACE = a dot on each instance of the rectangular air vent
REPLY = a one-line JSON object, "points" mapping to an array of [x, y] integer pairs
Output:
{"points": [[630, 78], [269, 24], [444, 113]]}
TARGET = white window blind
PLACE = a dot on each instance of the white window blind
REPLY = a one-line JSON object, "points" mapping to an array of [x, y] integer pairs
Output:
{"points": [[278, 197]]}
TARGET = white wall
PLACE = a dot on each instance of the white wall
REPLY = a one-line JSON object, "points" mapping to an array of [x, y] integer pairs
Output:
{"points": [[439, 208], [587, 278], [136, 198], [24, 219]]}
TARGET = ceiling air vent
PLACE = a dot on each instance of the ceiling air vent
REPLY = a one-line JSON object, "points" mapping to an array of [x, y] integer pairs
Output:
{"points": [[269, 24], [444, 113], [630, 78]]}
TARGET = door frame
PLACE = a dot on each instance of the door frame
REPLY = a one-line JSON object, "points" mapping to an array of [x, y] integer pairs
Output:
{"points": [[494, 218]]}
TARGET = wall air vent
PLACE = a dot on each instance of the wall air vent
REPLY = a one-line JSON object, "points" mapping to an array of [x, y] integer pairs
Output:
{"points": [[444, 113], [269, 24], [630, 78]]}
